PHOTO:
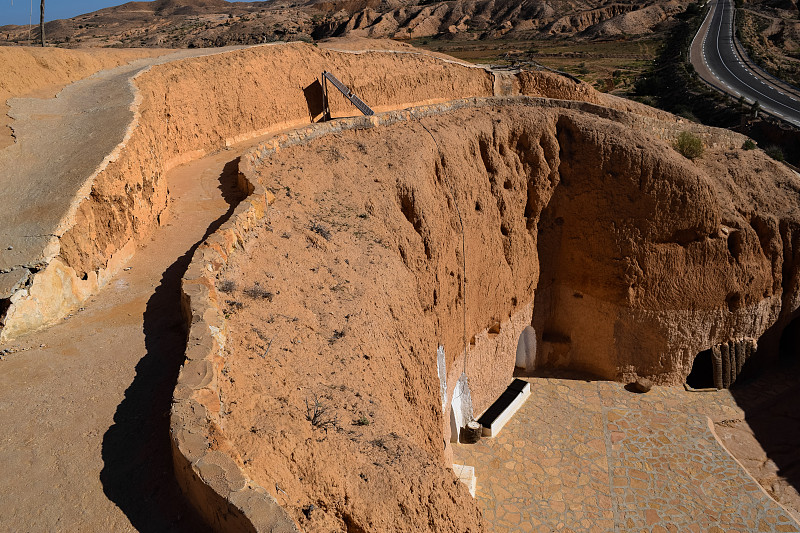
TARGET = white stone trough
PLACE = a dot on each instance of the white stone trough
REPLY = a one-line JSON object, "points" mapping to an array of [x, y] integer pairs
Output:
{"points": [[501, 411]]}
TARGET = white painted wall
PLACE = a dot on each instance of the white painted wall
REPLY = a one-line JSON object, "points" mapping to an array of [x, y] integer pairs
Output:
{"points": [[526, 349]]}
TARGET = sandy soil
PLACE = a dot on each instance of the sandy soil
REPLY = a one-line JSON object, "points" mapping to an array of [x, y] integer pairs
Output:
{"points": [[86, 402]]}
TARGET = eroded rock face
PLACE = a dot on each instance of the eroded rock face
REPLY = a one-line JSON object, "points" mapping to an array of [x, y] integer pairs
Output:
{"points": [[647, 259], [625, 257]]}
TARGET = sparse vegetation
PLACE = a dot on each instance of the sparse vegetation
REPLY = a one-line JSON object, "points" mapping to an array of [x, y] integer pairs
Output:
{"points": [[320, 230], [227, 286], [749, 145], [257, 292], [337, 334], [319, 414], [363, 421], [608, 65], [774, 152], [688, 145], [233, 306]]}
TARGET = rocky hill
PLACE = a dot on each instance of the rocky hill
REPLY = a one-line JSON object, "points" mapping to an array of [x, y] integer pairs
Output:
{"points": [[194, 23], [770, 29]]}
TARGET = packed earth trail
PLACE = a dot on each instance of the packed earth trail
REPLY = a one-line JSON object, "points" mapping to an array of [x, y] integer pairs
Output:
{"points": [[85, 404], [61, 144]]}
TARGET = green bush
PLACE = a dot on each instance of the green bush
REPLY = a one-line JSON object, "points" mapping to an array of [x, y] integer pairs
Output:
{"points": [[774, 152], [688, 145], [749, 145]]}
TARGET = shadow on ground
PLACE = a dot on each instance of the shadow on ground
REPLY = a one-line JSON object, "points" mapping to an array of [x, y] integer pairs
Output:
{"points": [[771, 404], [556, 373], [137, 473]]}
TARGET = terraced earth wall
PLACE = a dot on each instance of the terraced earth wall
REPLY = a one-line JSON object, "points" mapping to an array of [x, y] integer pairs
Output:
{"points": [[191, 107]]}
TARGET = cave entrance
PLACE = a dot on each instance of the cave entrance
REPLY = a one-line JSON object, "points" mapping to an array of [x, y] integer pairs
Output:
{"points": [[789, 344], [720, 366], [526, 349], [702, 374]]}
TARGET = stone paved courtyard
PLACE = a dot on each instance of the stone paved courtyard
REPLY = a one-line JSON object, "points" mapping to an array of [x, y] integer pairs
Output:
{"points": [[592, 457]]}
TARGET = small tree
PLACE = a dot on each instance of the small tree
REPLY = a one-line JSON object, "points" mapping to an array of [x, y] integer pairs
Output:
{"points": [[754, 109], [688, 145], [774, 152]]}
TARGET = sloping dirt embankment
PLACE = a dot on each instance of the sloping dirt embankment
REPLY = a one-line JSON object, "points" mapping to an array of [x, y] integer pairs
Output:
{"points": [[343, 276], [187, 108], [42, 72]]}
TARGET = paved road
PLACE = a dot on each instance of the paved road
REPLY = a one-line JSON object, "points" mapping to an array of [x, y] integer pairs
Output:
{"points": [[721, 63]]}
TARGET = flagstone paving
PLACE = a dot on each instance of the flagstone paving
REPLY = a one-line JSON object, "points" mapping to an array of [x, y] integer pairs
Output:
{"points": [[586, 456]]}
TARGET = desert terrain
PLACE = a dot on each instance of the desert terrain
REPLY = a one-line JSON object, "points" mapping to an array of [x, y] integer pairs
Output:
{"points": [[362, 255], [770, 31], [199, 23], [608, 44], [236, 315]]}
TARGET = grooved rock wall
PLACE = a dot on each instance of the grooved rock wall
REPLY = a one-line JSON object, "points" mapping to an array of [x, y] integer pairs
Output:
{"points": [[626, 257]]}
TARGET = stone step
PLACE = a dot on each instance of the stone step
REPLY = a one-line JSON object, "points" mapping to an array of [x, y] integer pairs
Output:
{"points": [[466, 475]]}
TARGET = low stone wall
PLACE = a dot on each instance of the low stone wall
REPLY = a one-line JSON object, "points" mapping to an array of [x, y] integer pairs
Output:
{"points": [[207, 469]]}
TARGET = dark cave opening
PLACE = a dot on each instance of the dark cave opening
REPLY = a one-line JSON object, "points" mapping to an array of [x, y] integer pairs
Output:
{"points": [[789, 344], [702, 374]]}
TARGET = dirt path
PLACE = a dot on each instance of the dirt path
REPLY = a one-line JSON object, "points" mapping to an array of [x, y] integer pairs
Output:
{"points": [[61, 143], [85, 404]]}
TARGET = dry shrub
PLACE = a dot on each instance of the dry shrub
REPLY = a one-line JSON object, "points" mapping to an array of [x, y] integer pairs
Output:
{"points": [[688, 145]]}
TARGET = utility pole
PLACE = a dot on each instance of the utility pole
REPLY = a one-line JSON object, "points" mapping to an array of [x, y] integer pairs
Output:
{"points": [[41, 20]]}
